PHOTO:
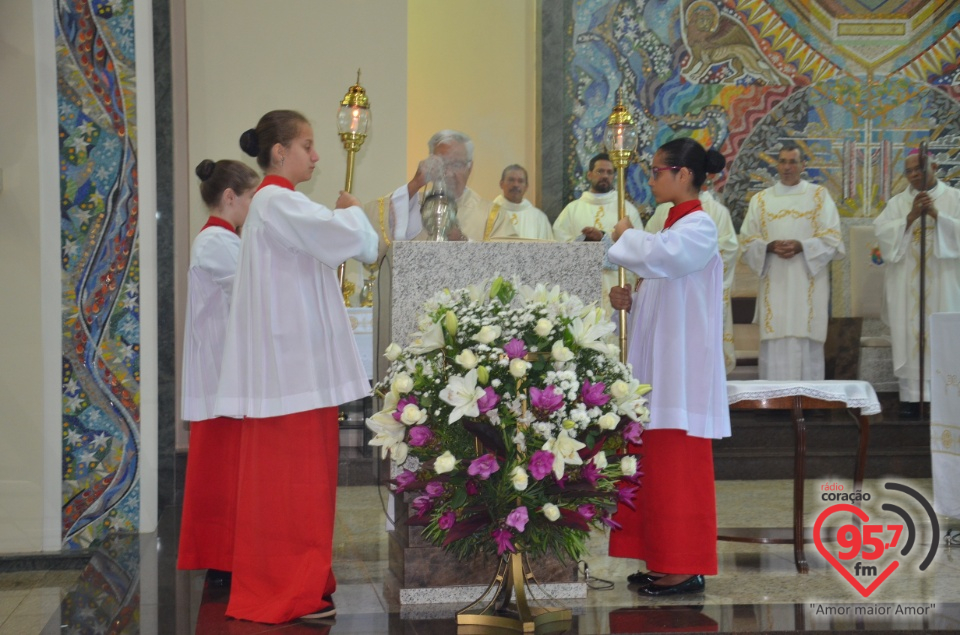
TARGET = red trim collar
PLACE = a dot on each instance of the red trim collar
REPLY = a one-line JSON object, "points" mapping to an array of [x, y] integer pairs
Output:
{"points": [[216, 221], [679, 211], [273, 179]]}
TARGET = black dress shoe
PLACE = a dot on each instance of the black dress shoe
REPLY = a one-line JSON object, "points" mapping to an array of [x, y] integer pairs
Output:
{"points": [[642, 578], [219, 579], [693, 584], [909, 409]]}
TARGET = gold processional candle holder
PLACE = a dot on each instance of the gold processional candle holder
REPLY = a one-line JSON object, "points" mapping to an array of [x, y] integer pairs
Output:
{"points": [[353, 122], [620, 141]]}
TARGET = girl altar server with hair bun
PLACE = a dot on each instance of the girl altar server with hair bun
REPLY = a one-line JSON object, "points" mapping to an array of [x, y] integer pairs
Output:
{"points": [[289, 360], [210, 493], [676, 346]]}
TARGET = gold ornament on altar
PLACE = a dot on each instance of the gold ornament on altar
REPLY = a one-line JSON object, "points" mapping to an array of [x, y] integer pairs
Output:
{"points": [[353, 122], [366, 291], [620, 141]]}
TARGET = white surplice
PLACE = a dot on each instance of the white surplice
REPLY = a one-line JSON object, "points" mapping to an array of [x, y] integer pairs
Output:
{"points": [[675, 337], [600, 211], [729, 251], [794, 295], [901, 255], [528, 221], [289, 346], [213, 265]]}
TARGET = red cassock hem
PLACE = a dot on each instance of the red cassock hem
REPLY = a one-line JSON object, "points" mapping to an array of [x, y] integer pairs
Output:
{"points": [[210, 495], [674, 528], [282, 565]]}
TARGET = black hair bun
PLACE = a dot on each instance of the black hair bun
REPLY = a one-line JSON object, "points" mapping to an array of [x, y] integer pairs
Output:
{"points": [[205, 169], [714, 162], [250, 143]]}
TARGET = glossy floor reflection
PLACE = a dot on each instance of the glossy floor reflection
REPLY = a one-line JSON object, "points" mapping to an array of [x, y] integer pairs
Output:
{"points": [[131, 585]]}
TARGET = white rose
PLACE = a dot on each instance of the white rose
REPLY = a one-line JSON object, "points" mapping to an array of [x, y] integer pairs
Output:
{"points": [[467, 359], [487, 334], [551, 511], [608, 421], [543, 327], [393, 352], [399, 453], [561, 353], [402, 384], [518, 368], [445, 463], [619, 389], [412, 415], [600, 460], [628, 465], [519, 478]]}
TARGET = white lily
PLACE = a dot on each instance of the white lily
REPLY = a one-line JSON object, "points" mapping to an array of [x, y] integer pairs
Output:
{"points": [[463, 393], [590, 328], [388, 434], [429, 339], [564, 449]]}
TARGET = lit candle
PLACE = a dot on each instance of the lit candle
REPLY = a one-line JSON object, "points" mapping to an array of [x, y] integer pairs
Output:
{"points": [[355, 122], [619, 137]]}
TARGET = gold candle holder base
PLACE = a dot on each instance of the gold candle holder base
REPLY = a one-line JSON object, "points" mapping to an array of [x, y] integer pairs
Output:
{"points": [[503, 606]]}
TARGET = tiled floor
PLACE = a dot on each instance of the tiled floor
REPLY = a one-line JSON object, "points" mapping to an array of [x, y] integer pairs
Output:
{"points": [[131, 586]]}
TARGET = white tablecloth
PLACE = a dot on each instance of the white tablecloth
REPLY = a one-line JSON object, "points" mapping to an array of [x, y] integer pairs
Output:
{"points": [[945, 412], [856, 394]]}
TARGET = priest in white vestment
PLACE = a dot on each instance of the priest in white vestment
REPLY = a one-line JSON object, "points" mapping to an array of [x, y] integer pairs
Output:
{"points": [[528, 221], [594, 214], [898, 232], [397, 216], [789, 236], [729, 251]]}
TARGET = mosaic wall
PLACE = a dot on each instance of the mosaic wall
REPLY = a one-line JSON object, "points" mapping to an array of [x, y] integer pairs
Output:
{"points": [[96, 87], [855, 82]]}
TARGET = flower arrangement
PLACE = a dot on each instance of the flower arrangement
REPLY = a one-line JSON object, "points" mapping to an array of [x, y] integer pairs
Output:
{"points": [[505, 417]]}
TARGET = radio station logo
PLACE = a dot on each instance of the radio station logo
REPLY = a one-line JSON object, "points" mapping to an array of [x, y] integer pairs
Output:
{"points": [[868, 552]]}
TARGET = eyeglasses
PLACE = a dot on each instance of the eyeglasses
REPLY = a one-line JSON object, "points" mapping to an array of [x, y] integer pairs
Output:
{"points": [[657, 171]]}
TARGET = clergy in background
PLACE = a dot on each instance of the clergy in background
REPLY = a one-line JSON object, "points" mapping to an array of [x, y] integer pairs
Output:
{"points": [[729, 250], [527, 220], [898, 231], [789, 236], [594, 214]]}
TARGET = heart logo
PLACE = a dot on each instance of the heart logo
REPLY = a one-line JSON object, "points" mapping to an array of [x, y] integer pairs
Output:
{"points": [[854, 582]]}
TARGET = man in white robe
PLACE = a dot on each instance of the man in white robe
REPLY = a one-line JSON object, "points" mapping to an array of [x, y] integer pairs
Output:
{"points": [[729, 251], [789, 236], [594, 214], [397, 215], [898, 232], [528, 221]]}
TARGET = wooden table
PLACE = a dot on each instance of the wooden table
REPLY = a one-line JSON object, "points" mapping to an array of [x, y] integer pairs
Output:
{"points": [[857, 397]]}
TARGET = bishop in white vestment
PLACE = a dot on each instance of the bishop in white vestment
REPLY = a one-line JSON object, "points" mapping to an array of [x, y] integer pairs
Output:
{"points": [[729, 251], [898, 232], [789, 236]]}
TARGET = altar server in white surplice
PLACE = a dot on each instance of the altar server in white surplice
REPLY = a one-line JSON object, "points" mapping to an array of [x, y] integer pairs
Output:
{"points": [[789, 236], [527, 220], [595, 214], [676, 345], [898, 232], [729, 251]]}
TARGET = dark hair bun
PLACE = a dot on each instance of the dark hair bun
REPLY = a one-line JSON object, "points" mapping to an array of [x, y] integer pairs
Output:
{"points": [[714, 162], [250, 143], [205, 169]]}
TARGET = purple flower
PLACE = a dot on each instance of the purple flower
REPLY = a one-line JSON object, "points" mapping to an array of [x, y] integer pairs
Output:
{"points": [[489, 401], [547, 400], [483, 466], [472, 488], [632, 432], [541, 464], [608, 521], [593, 394], [626, 495], [518, 518], [405, 479], [503, 536], [422, 505], [419, 436], [406, 401], [590, 473], [588, 511], [446, 520], [515, 349], [434, 489]]}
